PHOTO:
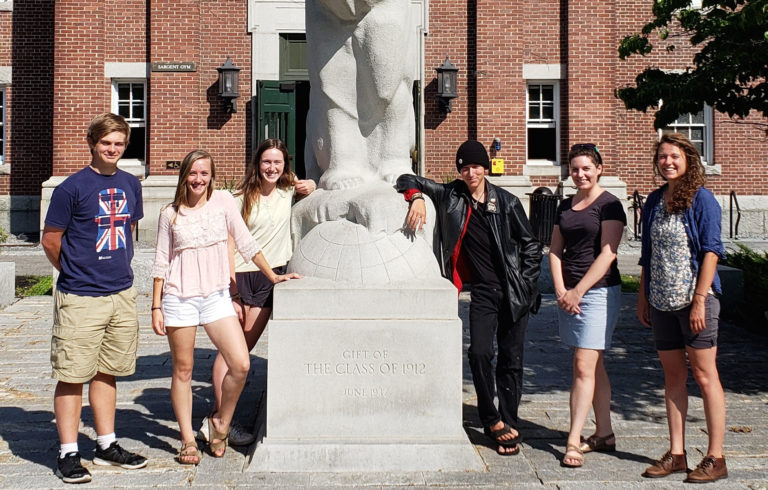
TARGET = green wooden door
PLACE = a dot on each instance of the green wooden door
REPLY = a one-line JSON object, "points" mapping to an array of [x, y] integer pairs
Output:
{"points": [[281, 113], [276, 115]]}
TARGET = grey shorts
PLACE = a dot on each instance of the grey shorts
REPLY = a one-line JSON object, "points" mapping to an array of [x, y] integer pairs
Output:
{"points": [[672, 330]]}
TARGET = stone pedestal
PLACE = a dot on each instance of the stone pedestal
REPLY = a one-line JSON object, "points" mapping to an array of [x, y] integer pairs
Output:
{"points": [[364, 379]]}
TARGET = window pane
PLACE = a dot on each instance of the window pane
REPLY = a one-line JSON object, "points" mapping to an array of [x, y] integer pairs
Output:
{"points": [[136, 146], [534, 112], [697, 134], [137, 91], [138, 110], [542, 144], [699, 147], [123, 91], [547, 111], [124, 110], [698, 118], [534, 94], [547, 93]]}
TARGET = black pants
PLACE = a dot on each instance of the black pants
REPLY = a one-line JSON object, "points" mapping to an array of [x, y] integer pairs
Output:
{"points": [[489, 316]]}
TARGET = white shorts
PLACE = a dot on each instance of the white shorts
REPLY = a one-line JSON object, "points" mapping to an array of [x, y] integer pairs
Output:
{"points": [[198, 310]]}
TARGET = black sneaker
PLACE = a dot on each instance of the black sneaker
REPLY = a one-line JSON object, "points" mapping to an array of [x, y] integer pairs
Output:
{"points": [[116, 456], [70, 470]]}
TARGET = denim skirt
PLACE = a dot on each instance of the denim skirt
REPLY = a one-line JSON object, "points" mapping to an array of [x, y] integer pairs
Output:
{"points": [[593, 327]]}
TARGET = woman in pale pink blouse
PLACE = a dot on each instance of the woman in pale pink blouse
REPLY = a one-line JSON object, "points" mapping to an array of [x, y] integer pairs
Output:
{"points": [[191, 287]]}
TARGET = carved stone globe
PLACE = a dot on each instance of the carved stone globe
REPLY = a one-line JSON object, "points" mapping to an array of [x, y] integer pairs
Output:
{"points": [[347, 252]]}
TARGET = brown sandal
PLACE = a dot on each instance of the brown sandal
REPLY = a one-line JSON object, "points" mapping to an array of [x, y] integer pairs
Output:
{"points": [[189, 453], [213, 433], [598, 444], [570, 450]]}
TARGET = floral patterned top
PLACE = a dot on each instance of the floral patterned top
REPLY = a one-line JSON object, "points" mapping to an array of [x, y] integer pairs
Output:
{"points": [[673, 278]]}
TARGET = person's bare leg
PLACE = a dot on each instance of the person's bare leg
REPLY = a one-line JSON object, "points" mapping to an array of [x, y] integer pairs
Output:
{"points": [[67, 405], [675, 396], [704, 368], [582, 394], [226, 334], [182, 343], [601, 403], [254, 323], [102, 395]]}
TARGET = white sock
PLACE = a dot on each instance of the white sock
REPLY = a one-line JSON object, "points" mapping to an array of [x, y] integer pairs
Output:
{"points": [[64, 449], [105, 440]]}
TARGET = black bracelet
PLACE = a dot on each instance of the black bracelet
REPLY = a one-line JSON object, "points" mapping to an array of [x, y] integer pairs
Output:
{"points": [[156, 308], [416, 195]]}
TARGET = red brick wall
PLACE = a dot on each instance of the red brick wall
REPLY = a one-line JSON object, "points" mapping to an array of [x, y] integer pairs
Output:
{"points": [[186, 111], [490, 41], [79, 87], [27, 45], [741, 150], [5, 60]]}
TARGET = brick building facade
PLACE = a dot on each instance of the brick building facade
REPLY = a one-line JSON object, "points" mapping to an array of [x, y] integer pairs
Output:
{"points": [[537, 75]]}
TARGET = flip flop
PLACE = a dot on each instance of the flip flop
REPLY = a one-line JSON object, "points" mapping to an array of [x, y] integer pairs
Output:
{"points": [[495, 434]]}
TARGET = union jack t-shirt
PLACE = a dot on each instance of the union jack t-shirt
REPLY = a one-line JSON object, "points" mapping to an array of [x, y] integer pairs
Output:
{"points": [[96, 211]]}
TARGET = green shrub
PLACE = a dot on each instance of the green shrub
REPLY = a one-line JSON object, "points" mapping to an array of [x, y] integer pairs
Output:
{"points": [[630, 284], [754, 267], [3, 235], [33, 286]]}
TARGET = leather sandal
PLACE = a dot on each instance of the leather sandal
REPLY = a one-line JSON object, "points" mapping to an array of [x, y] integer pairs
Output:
{"points": [[570, 450], [189, 453], [215, 434], [598, 444]]}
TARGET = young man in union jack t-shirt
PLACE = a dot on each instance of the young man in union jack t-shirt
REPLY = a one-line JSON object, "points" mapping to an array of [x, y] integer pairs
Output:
{"points": [[87, 238]]}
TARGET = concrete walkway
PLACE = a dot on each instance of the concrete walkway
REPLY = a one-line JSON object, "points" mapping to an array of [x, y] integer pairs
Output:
{"points": [[145, 421]]}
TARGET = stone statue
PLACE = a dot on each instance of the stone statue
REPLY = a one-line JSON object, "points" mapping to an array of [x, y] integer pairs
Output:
{"points": [[360, 133], [360, 125]]}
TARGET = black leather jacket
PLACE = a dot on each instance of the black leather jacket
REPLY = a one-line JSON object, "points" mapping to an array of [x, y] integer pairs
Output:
{"points": [[519, 249]]}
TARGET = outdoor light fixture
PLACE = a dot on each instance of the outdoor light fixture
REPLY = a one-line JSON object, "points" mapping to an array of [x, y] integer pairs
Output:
{"points": [[229, 76], [446, 84]]}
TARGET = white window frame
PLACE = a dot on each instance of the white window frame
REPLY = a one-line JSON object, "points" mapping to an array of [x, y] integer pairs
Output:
{"points": [[707, 158], [542, 124], [3, 132], [133, 123]]}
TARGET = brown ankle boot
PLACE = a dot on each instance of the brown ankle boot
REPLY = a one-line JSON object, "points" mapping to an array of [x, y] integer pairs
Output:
{"points": [[668, 464], [710, 469]]}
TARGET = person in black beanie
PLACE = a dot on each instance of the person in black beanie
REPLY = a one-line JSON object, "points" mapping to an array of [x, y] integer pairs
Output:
{"points": [[485, 239]]}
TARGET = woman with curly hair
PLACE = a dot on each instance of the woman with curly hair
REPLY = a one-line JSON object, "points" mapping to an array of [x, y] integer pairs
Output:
{"points": [[681, 245]]}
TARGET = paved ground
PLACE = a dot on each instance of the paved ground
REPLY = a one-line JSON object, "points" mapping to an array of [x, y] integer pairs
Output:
{"points": [[145, 422]]}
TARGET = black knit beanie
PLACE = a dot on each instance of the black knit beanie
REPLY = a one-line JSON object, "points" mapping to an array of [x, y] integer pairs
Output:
{"points": [[472, 152]]}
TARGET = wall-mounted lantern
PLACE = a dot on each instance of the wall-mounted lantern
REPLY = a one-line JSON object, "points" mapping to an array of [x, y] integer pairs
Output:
{"points": [[446, 84], [229, 76]]}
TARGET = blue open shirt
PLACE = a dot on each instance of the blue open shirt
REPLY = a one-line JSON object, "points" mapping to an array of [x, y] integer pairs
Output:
{"points": [[702, 225]]}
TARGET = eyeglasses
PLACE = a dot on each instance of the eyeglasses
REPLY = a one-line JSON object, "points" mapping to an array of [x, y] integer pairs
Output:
{"points": [[590, 147]]}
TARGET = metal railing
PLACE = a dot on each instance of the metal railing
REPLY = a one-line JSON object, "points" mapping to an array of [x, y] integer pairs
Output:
{"points": [[637, 210], [734, 200]]}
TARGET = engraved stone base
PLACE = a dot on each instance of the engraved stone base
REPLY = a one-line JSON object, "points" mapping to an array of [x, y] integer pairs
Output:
{"points": [[351, 390]]}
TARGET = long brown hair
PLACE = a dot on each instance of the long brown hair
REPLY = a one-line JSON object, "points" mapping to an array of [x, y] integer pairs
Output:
{"points": [[181, 198], [252, 183], [693, 178]]}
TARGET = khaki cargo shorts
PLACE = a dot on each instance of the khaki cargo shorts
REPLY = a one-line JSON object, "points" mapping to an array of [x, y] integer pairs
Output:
{"points": [[94, 334]]}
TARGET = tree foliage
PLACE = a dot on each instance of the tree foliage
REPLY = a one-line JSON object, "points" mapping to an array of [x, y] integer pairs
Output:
{"points": [[729, 70]]}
